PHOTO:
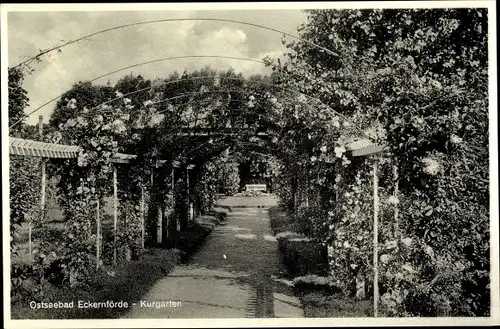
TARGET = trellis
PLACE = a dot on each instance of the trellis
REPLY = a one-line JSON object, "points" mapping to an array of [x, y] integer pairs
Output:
{"points": [[27, 147], [44, 150], [365, 147]]}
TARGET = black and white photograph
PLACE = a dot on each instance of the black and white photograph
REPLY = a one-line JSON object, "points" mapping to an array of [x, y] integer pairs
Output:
{"points": [[236, 164]]}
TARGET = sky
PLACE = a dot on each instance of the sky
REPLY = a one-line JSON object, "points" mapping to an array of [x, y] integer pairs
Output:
{"points": [[28, 32]]}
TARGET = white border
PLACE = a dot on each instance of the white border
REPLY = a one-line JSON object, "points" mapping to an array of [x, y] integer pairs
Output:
{"points": [[330, 322]]}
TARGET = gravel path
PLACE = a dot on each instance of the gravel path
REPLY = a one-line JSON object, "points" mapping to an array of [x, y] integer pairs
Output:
{"points": [[231, 276]]}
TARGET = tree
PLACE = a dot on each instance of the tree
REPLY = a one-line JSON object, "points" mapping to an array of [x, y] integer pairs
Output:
{"points": [[18, 100]]}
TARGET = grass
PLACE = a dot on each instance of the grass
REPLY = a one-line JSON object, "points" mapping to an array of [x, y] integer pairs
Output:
{"points": [[196, 232], [281, 222], [247, 202], [317, 305], [300, 254], [127, 282]]}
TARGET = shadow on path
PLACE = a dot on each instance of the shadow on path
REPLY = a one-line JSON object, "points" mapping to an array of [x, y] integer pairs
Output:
{"points": [[231, 276]]}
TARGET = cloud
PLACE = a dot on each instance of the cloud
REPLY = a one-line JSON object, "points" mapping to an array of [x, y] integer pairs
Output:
{"points": [[30, 31]]}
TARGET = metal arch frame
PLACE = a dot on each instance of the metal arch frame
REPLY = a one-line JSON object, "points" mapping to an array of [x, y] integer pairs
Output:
{"points": [[193, 79], [228, 78], [145, 63], [232, 144], [177, 20]]}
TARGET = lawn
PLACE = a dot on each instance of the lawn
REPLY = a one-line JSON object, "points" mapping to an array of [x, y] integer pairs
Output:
{"points": [[127, 282], [264, 201]]}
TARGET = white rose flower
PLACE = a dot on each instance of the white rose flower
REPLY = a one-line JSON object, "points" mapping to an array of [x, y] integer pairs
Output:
{"points": [[432, 166], [339, 150], [407, 241], [71, 122], [408, 268], [391, 244], [393, 200], [384, 259], [455, 139]]}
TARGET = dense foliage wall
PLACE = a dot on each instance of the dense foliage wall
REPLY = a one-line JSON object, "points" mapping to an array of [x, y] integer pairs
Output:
{"points": [[415, 80]]}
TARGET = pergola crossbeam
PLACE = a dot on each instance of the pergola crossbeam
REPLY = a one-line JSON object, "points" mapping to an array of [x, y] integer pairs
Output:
{"points": [[26, 147]]}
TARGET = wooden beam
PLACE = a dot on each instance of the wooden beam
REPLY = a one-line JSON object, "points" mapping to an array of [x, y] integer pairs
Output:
{"points": [[368, 150]]}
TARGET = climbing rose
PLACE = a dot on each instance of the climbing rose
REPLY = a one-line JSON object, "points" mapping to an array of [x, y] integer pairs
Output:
{"points": [[71, 122], [339, 151], [407, 241], [391, 244], [455, 139], [385, 259], [119, 126], [393, 200], [432, 166]]}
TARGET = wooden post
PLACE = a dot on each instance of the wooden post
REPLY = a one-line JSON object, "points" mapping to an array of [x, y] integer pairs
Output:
{"points": [[142, 216], [98, 235], [44, 176], [396, 196], [159, 236], [307, 189], [375, 238], [43, 195], [187, 218], [190, 204], [171, 215], [115, 213], [30, 246]]}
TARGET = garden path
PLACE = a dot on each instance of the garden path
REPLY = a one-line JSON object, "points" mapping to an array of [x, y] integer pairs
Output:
{"points": [[231, 276]]}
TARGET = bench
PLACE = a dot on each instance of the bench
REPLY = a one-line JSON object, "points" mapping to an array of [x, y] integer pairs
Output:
{"points": [[256, 187]]}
